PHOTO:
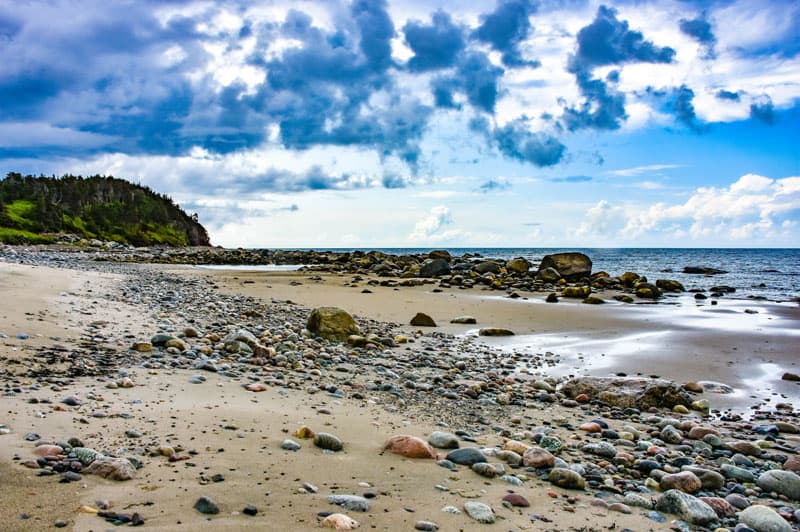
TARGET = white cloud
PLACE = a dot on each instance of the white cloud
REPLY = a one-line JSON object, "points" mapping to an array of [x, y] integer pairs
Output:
{"points": [[431, 227], [637, 170], [602, 219]]}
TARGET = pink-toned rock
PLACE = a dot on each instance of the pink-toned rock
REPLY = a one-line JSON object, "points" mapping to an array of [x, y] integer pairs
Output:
{"points": [[517, 499], [255, 387], [410, 447], [722, 507], [582, 398], [697, 433], [538, 457], [685, 481], [46, 450], [792, 464], [619, 507], [516, 446], [590, 427], [111, 468]]}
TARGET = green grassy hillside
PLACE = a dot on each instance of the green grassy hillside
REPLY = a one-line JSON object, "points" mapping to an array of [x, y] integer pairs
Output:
{"points": [[105, 208]]}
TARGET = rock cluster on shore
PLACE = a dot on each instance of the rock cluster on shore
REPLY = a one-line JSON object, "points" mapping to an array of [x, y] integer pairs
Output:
{"points": [[620, 445]]}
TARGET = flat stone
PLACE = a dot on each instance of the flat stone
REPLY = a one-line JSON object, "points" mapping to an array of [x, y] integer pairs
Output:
{"points": [[466, 456], [206, 505], [480, 512], [354, 503]]}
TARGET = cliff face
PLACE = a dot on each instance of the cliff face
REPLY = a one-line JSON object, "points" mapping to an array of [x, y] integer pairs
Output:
{"points": [[99, 207]]}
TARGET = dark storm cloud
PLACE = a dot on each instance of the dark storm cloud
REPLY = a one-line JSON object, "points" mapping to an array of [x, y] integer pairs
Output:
{"points": [[606, 41], [700, 30], [515, 141], [475, 77], [505, 28], [683, 108], [763, 110], [436, 45], [723, 94]]}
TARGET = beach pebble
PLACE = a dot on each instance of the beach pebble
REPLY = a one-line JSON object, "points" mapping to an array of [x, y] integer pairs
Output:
{"points": [[324, 440], [763, 519], [250, 510], [517, 499], [206, 505], [685, 481], [290, 445], [339, 522], [488, 470], [428, 526], [720, 506], [443, 440], [111, 468], [688, 507], [409, 447], [566, 478], [480, 512], [464, 320], [354, 503], [783, 482], [538, 457], [466, 456]]}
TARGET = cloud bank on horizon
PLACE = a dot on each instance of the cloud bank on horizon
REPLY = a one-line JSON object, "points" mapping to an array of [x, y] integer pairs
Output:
{"points": [[400, 122]]}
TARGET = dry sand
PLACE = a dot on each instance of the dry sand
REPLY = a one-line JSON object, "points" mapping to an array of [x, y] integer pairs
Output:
{"points": [[168, 411]]}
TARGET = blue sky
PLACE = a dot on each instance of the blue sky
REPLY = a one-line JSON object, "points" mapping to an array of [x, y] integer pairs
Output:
{"points": [[371, 123]]}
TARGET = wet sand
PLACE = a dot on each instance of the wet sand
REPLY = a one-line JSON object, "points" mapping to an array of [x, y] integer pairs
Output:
{"points": [[678, 338]]}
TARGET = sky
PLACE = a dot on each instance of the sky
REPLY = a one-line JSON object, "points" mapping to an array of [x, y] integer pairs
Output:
{"points": [[411, 123]]}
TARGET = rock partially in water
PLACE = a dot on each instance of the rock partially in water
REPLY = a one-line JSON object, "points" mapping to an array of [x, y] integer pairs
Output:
{"points": [[629, 392]]}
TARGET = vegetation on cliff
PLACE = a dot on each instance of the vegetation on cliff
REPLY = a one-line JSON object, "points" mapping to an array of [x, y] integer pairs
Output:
{"points": [[35, 209]]}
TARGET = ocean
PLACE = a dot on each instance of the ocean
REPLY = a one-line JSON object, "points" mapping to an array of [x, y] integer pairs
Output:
{"points": [[773, 274]]}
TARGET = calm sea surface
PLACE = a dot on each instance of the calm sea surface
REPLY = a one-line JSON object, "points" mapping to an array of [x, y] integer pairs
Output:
{"points": [[778, 270]]}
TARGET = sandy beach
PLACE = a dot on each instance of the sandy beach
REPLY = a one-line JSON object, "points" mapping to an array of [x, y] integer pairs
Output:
{"points": [[228, 439]]}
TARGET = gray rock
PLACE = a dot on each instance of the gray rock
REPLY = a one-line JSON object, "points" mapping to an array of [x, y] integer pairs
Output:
{"points": [[782, 482], [480, 512], [206, 505], [443, 440], [604, 449], [688, 507], [763, 519], [290, 445], [354, 503], [737, 473], [111, 468], [434, 268], [466, 456], [464, 320]]}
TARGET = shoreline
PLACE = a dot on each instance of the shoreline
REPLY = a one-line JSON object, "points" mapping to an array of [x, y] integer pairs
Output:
{"points": [[442, 379]]}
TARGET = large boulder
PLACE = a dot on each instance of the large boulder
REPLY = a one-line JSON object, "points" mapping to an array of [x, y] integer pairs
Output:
{"points": [[434, 268], [571, 266], [548, 275], [332, 323], [440, 254], [488, 266], [629, 392], [670, 285], [519, 265]]}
